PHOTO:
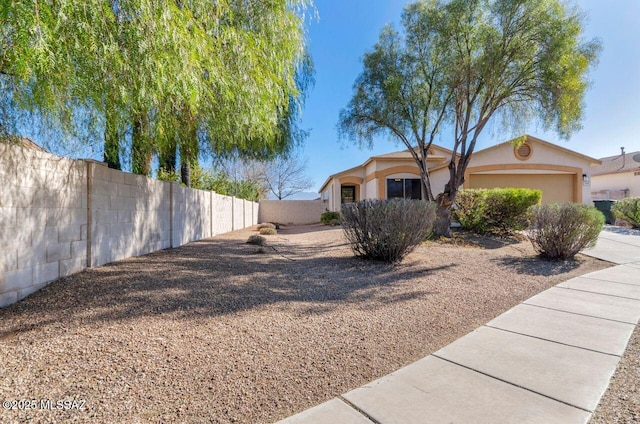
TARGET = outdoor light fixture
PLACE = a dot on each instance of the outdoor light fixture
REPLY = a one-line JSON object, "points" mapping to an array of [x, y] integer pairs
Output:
{"points": [[585, 179]]}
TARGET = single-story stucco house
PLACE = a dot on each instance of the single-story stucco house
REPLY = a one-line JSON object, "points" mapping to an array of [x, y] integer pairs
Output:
{"points": [[562, 174], [617, 177]]}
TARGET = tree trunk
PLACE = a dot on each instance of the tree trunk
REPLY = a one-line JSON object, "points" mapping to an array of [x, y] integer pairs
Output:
{"points": [[111, 139], [442, 226], [140, 146], [167, 156]]}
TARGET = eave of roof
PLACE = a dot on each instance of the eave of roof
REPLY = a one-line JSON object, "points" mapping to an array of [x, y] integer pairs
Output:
{"points": [[528, 137]]}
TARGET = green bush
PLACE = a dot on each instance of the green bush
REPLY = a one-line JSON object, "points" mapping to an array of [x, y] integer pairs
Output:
{"points": [[267, 231], [628, 210], [387, 230], [328, 217], [503, 209], [560, 231]]}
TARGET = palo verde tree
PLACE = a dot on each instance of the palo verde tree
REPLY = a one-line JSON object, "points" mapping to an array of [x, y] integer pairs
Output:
{"points": [[461, 63]]}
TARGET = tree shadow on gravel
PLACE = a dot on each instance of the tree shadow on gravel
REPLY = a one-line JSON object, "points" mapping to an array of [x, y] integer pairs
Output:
{"points": [[538, 266], [209, 278]]}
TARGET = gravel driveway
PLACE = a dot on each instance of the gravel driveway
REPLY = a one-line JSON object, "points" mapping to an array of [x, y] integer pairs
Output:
{"points": [[215, 332]]}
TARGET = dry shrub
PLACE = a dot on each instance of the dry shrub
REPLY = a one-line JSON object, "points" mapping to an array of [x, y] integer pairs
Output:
{"points": [[560, 231], [268, 231], [387, 230], [257, 240], [266, 225]]}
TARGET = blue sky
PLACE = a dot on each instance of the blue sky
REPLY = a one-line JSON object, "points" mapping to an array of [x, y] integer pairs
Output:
{"points": [[345, 30]]}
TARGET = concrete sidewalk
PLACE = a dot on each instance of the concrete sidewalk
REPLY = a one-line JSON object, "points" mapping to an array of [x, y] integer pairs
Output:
{"points": [[547, 360]]}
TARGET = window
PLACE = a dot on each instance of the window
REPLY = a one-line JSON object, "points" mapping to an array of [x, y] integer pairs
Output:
{"points": [[408, 188]]}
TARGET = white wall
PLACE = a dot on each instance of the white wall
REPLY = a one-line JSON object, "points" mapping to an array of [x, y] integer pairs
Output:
{"points": [[612, 185], [43, 220], [58, 216], [291, 211]]}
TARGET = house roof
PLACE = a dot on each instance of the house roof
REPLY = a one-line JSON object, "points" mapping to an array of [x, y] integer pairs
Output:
{"points": [[398, 155], [617, 164], [527, 137], [404, 154]]}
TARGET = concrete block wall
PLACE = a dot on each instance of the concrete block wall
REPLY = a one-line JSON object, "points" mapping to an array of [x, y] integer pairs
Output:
{"points": [[222, 214], [59, 216], [130, 215], [238, 214], [43, 220], [291, 211], [191, 215]]}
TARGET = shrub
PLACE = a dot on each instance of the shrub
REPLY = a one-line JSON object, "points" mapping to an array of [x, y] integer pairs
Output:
{"points": [[387, 230], [628, 210], [469, 210], [328, 217], [503, 209], [257, 240], [266, 225], [560, 231], [267, 231]]}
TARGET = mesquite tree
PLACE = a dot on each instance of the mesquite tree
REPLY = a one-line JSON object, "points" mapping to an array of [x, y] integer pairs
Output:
{"points": [[461, 63]]}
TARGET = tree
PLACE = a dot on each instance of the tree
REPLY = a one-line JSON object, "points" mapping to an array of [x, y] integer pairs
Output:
{"points": [[284, 176], [168, 77], [461, 63]]}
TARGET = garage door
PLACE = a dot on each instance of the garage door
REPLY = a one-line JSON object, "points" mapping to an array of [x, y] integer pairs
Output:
{"points": [[556, 188]]}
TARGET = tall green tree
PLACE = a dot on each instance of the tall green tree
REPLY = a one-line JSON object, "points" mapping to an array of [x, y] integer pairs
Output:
{"points": [[166, 77], [459, 64]]}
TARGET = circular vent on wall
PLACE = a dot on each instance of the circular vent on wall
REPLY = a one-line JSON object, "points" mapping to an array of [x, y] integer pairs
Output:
{"points": [[523, 152]]}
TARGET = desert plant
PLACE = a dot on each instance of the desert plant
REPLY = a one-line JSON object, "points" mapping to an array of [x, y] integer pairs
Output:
{"points": [[328, 217], [502, 209], [628, 210], [268, 231], [266, 225], [257, 240], [387, 230], [560, 231], [469, 210]]}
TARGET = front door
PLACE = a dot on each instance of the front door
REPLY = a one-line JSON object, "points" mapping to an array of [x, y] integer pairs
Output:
{"points": [[348, 194]]}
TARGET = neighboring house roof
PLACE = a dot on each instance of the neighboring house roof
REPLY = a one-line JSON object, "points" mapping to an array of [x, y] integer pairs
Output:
{"points": [[25, 142], [527, 137], [617, 164]]}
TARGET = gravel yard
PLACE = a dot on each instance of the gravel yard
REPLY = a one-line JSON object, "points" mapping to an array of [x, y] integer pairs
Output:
{"points": [[216, 332]]}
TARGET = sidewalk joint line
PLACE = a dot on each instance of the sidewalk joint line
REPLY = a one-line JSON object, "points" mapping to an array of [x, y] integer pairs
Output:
{"points": [[608, 281], [603, 294], [577, 313], [513, 384], [360, 411], [553, 341], [621, 242]]}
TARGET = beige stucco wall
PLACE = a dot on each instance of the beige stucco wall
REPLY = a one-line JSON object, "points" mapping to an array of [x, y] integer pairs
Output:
{"points": [[291, 211], [540, 155], [612, 185]]}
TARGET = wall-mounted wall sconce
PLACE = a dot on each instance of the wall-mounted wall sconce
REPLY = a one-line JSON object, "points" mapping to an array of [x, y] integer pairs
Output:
{"points": [[585, 179]]}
